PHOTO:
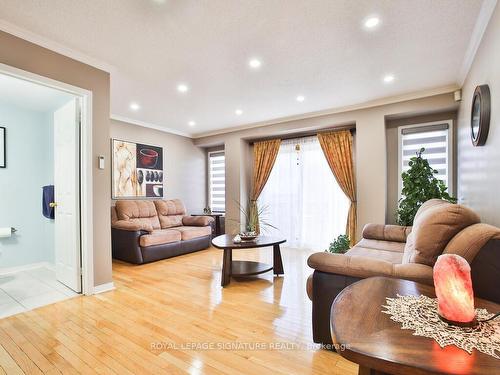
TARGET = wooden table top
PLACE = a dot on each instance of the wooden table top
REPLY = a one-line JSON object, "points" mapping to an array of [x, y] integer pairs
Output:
{"points": [[377, 342], [226, 242]]}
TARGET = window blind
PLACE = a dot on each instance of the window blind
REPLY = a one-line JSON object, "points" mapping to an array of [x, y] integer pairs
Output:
{"points": [[217, 181], [435, 140]]}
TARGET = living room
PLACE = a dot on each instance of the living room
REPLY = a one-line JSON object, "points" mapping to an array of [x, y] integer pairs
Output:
{"points": [[282, 136]]}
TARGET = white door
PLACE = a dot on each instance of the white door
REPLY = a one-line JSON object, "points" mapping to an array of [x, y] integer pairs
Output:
{"points": [[67, 194]]}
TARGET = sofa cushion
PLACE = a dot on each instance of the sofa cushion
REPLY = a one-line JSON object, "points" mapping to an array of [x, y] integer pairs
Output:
{"points": [[197, 221], [396, 247], [160, 237], [394, 233], [137, 211], [388, 256], [431, 203], [468, 242], [435, 224], [188, 233], [170, 212]]}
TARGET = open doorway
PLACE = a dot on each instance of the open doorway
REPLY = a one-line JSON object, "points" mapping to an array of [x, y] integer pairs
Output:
{"points": [[41, 262]]}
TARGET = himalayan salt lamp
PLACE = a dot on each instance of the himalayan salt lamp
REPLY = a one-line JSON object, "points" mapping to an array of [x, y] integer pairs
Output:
{"points": [[453, 285]]}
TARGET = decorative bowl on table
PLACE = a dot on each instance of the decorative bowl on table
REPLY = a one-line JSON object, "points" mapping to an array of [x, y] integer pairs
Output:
{"points": [[248, 236]]}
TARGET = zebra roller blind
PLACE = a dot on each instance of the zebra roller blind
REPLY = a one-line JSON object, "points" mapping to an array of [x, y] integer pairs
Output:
{"points": [[436, 139], [217, 181]]}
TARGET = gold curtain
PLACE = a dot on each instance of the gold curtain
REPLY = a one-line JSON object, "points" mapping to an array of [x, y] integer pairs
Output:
{"points": [[337, 147], [264, 156]]}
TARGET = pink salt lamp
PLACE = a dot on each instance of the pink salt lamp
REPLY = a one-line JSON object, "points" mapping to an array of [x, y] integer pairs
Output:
{"points": [[453, 285]]}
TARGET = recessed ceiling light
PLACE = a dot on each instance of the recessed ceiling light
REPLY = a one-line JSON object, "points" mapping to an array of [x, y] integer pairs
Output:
{"points": [[182, 87], [255, 63], [191, 123], [300, 98], [134, 106], [238, 112], [388, 78], [371, 22]]}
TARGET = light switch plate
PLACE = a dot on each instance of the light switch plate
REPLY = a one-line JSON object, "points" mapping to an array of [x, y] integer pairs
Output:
{"points": [[100, 162]]}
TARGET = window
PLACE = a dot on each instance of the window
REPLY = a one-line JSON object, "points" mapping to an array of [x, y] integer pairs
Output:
{"points": [[303, 199], [217, 181], [436, 139]]}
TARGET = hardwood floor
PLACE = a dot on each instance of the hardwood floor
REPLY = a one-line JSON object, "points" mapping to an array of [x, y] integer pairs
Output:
{"points": [[172, 317]]}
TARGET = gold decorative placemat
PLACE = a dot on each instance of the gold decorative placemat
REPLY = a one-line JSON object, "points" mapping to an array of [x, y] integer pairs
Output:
{"points": [[420, 315]]}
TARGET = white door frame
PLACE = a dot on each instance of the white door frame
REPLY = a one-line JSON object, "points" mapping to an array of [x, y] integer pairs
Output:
{"points": [[86, 207]]}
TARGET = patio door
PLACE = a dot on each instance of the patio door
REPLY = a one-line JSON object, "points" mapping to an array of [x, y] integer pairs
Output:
{"points": [[303, 199]]}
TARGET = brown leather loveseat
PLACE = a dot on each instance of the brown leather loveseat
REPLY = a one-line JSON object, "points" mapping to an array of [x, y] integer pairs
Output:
{"points": [[144, 231], [407, 253]]}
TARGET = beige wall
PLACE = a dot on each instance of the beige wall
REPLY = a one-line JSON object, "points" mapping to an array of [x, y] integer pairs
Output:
{"points": [[24, 55], [392, 155], [479, 167], [370, 152], [184, 163]]}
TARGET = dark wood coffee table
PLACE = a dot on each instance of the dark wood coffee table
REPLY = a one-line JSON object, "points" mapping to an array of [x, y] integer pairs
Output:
{"points": [[247, 268], [380, 346]]}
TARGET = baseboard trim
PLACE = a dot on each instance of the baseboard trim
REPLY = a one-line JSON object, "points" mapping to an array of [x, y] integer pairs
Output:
{"points": [[104, 288], [26, 267]]}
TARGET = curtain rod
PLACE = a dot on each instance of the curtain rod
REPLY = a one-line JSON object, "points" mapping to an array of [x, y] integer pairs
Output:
{"points": [[351, 128]]}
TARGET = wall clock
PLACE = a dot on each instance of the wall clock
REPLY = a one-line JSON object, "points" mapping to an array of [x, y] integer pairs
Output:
{"points": [[480, 115]]}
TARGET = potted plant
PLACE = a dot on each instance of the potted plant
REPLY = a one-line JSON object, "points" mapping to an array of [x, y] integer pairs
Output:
{"points": [[419, 185], [255, 220], [340, 245]]}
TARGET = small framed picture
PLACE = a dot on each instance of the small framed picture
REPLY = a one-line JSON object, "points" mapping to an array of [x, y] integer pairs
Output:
{"points": [[3, 154]]}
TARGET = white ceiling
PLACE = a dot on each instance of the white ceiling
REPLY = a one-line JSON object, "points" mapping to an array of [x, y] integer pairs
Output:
{"points": [[31, 96], [315, 48]]}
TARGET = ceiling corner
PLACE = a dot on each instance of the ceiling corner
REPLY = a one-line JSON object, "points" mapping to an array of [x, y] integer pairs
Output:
{"points": [[485, 13]]}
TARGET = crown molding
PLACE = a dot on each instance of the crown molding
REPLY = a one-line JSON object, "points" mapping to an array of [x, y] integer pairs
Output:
{"points": [[485, 13], [149, 125], [356, 107], [54, 46]]}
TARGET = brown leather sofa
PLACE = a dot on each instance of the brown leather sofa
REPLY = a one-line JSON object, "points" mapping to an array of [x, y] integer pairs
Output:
{"points": [[407, 253], [145, 231]]}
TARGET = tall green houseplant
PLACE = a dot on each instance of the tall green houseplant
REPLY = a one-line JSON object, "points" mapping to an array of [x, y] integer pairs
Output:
{"points": [[419, 185]]}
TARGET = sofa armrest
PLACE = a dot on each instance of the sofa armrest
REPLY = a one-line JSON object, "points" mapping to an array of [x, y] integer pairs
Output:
{"points": [[420, 273], [197, 221], [125, 245], [363, 267], [132, 226], [350, 265], [395, 233]]}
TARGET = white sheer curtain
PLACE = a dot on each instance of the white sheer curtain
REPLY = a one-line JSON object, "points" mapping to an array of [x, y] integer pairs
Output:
{"points": [[303, 198]]}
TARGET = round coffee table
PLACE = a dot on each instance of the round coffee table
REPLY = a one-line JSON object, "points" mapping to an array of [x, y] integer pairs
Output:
{"points": [[247, 268], [380, 346]]}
